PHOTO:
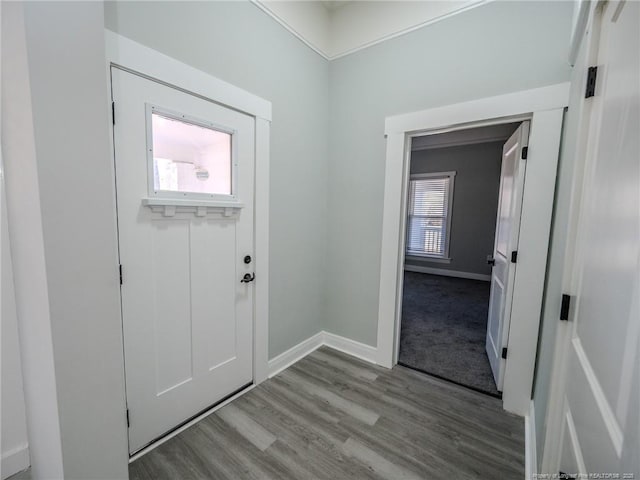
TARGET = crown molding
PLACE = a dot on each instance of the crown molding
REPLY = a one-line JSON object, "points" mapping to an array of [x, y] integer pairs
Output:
{"points": [[413, 28], [288, 27], [264, 7]]}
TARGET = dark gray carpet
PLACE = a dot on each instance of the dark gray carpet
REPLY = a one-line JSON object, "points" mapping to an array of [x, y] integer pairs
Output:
{"points": [[444, 325]]}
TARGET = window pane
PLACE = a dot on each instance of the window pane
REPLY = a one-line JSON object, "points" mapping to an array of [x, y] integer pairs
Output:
{"points": [[430, 197], [190, 158], [426, 235]]}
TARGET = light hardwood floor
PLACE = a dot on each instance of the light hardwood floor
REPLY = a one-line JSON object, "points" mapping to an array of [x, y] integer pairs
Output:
{"points": [[332, 416]]}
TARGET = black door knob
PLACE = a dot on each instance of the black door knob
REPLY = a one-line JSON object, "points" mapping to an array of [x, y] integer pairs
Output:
{"points": [[248, 277], [247, 259]]}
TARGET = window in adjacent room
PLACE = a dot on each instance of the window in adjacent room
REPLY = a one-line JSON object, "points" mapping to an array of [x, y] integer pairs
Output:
{"points": [[429, 214]]}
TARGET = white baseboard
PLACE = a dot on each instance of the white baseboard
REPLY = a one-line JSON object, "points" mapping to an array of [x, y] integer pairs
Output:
{"points": [[295, 353], [530, 444], [446, 273], [304, 348], [351, 347], [15, 461]]}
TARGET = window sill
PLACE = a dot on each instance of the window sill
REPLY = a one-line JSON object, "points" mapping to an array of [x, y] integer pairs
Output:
{"points": [[168, 207], [427, 258]]}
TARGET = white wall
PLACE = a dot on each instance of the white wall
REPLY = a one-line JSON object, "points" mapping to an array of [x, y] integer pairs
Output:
{"points": [[239, 43], [27, 249], [493, 49], [15, 445], [71, 120], [62, 228]]}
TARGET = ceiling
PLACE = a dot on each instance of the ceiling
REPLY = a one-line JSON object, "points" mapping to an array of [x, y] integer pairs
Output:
{"points": [[335, 28], [332, 5], [469, 136]]}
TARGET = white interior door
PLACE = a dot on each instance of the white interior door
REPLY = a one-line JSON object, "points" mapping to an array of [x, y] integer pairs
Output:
{"points": [[600, 403], [506, 243], [187, 318]]}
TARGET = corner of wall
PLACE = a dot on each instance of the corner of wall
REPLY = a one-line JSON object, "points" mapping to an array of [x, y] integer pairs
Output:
{"points": [[320, 339]]}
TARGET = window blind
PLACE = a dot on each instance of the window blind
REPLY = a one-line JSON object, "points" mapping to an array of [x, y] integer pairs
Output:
{"points": [[428, 211]]}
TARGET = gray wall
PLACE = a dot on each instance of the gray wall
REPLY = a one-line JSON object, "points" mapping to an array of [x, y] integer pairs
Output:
{"points": [[239, 43], [475, 202], [514, 46]]}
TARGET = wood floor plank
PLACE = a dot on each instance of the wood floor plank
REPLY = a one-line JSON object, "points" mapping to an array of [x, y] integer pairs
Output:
{"points": [[235, 455], [290, 423], [307, 464], [336, 401], [246, 426], [352, 369], [376, 462], [331, 416]]}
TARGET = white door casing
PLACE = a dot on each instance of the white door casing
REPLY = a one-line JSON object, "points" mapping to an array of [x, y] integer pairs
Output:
{"points": [[599, 394], [503, 273], [187, 319], [545, 108]]}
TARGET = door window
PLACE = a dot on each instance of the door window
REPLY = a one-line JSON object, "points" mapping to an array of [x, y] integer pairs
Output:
{"points": [[188, 157]]}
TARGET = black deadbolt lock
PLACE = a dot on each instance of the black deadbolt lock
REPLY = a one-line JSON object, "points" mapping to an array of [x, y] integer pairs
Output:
{"points": [[247, 259]]}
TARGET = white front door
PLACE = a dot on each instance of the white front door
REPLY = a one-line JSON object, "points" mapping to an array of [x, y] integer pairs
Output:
{"points": [[187, 317], [600, 403], [505, 248]]}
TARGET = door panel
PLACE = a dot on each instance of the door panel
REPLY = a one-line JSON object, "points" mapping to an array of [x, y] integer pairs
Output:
{"points": [[507, 185], [495, 304], [187, 318], [216, 338], [171, 300], [602, 364], [506, 241], [569, 445]]}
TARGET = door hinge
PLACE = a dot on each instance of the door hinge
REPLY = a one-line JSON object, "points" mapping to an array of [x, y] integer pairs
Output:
{"points": [[504, 352], [113, 112], [120, 270], [592, 73], [514, 256], [565, 306], [128, 422], [525, 152]]}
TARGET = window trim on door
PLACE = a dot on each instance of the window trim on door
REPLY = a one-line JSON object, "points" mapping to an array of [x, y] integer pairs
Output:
{"points": [[150, 110], [444, 257]]}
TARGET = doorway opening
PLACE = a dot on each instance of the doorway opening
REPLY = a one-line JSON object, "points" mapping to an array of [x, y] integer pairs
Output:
{"points": [[543, 110], [458, 183]]}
